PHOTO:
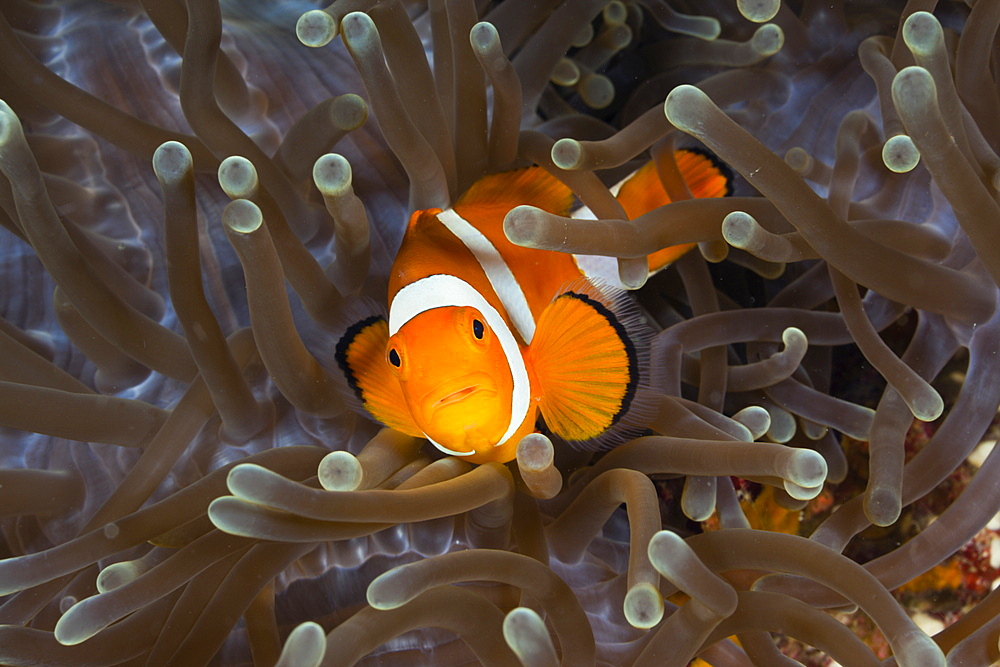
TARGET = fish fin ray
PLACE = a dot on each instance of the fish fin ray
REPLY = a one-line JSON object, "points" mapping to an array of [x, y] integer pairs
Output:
{"points": [[369, 386], [705, 177], [590, 355], [642, 191]]}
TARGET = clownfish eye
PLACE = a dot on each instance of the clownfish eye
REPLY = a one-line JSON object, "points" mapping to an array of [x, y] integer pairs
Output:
{"points": [[394, 358], [478, 329]]}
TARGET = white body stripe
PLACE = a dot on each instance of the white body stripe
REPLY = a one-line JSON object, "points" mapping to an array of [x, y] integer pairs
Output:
{"points": [[598, 267], [441, 290], [502, 279]]}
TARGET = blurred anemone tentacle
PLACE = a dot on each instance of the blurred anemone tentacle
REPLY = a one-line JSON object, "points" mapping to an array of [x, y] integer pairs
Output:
{"points": [[195, 204]]}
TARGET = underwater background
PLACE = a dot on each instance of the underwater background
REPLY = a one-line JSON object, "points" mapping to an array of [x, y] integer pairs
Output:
{"points": [[825, 361]]}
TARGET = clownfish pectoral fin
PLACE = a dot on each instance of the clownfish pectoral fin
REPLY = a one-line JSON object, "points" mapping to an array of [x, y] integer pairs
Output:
{"points": [[370, 386], [589, 357], [705, 177]]}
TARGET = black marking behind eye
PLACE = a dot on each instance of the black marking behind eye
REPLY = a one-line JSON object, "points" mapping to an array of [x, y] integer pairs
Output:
{"points": [[478, 330], [394, 358]]}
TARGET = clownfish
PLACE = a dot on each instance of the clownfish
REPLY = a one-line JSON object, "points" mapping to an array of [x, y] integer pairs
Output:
{"points": [[482, 336]]}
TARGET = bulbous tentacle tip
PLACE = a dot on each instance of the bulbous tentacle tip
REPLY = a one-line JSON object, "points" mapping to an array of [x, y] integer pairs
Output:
{"points": [[225, 514], [316, 28], [709, 28], [526, 635], [596, 90], [535, 452], [782, 428], [806, 468], [758, 11], [633, 272], [243, 476], [238, 177], [340, 471], [927, 405], [360, 34], [795, 338], [76, 625], [615, 13], [740, 230], [913, 91], [899, 154], [116, 575], [243, 217], [798, 159], [803, 493], [756, 419], [6, 112], [332, 174], [566, 73], [484, 38], [349, 112], [519, 221], [919, 649], [172, 161], [883, 506], [671, 556], [10, 125], [535, 457], [684, 107], [305, 646], [922, 33], [698, 498], [643, 606], [768, 39], [567, 153], [380, 593]]}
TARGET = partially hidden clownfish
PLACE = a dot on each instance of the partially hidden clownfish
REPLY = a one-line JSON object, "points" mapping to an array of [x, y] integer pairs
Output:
{"points": [[483, 336]]}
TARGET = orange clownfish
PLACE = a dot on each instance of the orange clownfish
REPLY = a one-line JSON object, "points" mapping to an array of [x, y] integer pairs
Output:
{"points": [[482, 335]]}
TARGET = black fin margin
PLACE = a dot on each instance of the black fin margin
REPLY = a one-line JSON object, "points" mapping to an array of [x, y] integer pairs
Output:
{"points": [[358, 314], [721, 166], [640, 403]]}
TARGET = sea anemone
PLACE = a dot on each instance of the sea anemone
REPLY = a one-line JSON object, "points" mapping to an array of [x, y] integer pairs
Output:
{"points": [[183, 481]]}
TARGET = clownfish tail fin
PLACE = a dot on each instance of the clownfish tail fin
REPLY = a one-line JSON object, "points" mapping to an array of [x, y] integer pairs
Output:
{"points": [[590, 355], [705, 174], [366, 382]]}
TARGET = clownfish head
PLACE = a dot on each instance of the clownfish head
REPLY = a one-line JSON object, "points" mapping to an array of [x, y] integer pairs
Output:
{"points": [[455, 378], [444, 365]]}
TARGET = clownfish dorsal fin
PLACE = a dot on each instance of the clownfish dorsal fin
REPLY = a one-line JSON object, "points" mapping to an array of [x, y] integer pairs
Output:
{"points": [[643, 191], [369, 384], [531, 186], [589, 356]]}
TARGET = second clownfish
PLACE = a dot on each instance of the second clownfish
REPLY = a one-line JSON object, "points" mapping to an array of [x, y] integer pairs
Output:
{"points": [[483, 336]]}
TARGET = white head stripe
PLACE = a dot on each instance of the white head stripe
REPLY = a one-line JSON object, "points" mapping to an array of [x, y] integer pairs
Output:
{"points": [[502, 279], [441, 290]]}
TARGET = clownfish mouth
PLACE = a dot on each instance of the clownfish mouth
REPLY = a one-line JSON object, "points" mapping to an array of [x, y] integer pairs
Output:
{"points": [[451, 392], [456, 396]]}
